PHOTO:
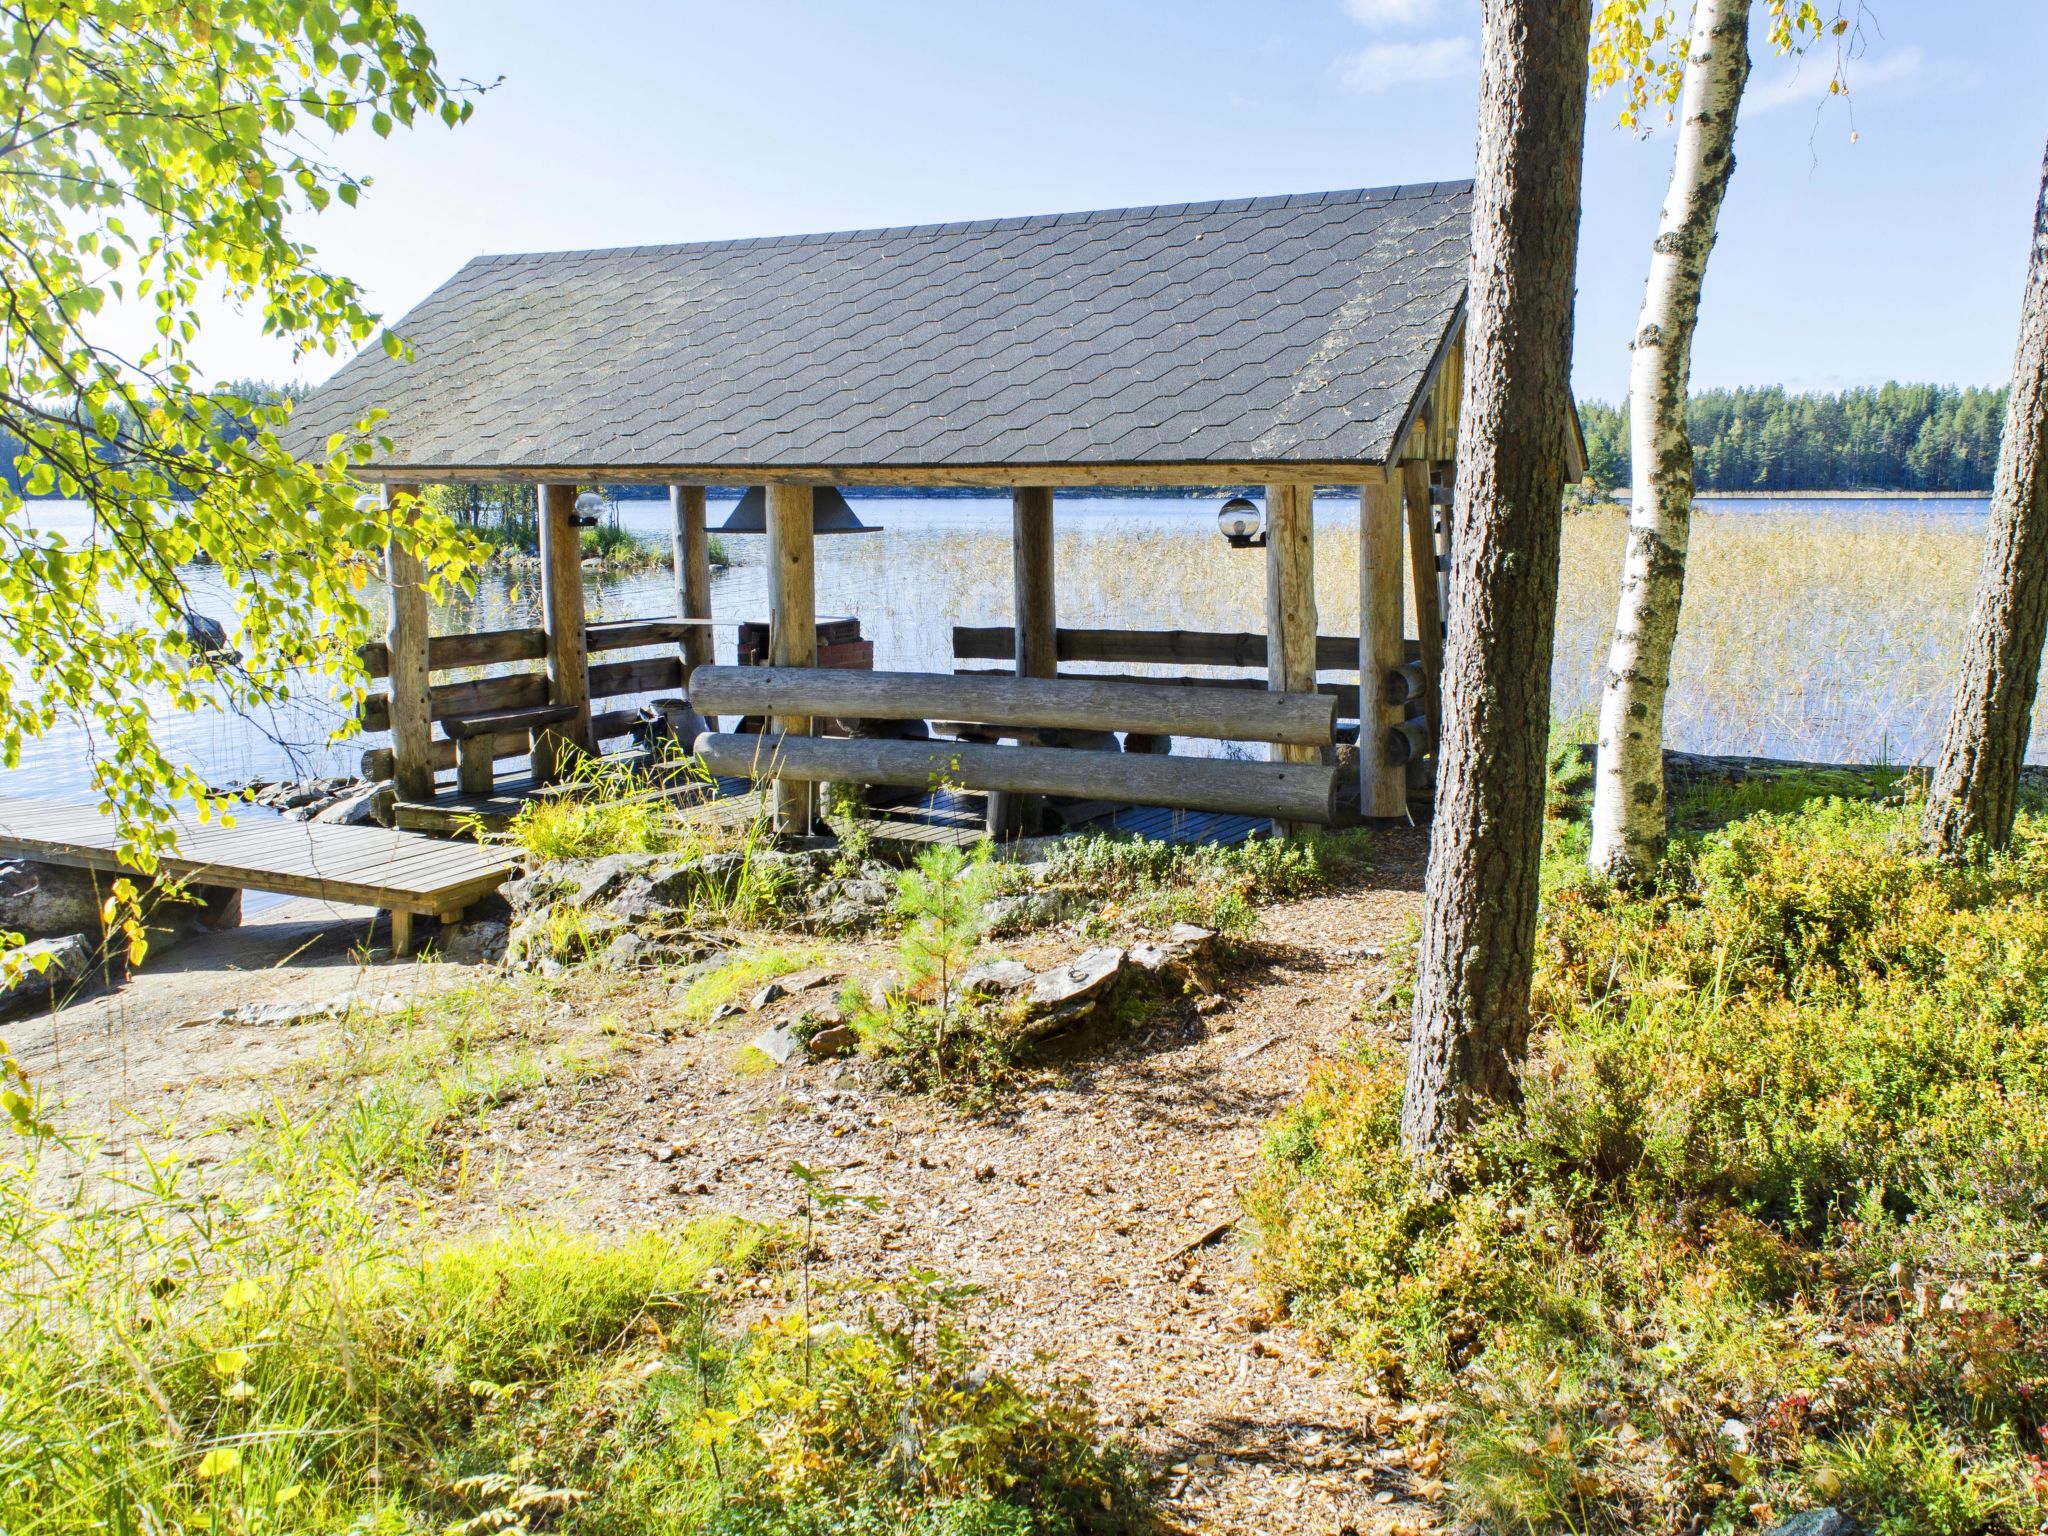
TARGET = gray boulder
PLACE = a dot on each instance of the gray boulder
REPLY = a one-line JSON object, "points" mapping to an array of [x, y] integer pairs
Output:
{"points": [[45, 901], [1068, 993], [1817, 1522], [45, 968]]}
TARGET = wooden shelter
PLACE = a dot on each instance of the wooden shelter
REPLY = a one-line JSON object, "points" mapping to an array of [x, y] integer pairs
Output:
{"points": [[1283, 342]]}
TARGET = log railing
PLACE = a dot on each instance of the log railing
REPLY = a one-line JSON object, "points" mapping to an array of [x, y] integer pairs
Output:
{"points": [[1296, 791], [524, 690]]}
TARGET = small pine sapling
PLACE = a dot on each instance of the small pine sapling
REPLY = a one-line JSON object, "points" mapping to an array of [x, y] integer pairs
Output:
{"points": [[943, 900]]}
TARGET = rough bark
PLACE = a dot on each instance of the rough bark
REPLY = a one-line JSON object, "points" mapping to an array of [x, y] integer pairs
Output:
{"points": [[1975, 790], [1628, 790], [1471, 1021]]}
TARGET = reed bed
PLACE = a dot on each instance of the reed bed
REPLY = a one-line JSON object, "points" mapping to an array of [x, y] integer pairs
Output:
{"points": [[1829, 636]]}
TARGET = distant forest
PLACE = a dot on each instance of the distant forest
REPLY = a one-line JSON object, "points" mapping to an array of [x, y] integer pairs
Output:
{"points": [[1898, 437]]}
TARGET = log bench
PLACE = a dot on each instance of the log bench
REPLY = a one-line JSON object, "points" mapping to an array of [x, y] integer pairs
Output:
{"points": [[476, 739]]}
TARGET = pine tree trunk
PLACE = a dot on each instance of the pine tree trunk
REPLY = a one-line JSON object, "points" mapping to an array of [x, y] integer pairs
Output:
{"points": [[1975, 791], [1471, 1023], [1628, 790]]}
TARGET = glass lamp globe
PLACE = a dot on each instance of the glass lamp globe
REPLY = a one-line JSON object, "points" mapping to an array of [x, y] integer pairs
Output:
{"points": [[1239, 519], [589, 504]]}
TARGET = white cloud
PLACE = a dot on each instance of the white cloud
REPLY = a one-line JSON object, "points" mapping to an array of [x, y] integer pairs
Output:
{"points": [[1390, 13], [1809, 82], [1384, 66]]}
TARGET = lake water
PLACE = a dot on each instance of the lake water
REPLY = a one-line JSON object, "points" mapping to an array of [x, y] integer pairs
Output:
{"points": [[1822, 628]]}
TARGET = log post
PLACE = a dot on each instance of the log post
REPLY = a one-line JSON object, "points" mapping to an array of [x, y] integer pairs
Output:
{"points": [[1291, 600], [405, 640], [568, 654], [693, 575], [1031, 547], [1423, 572], [1383, 783], [792, 626]]}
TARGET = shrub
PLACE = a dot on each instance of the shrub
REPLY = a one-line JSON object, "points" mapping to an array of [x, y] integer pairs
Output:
{"points": [[184, 1353], [1217, 887], [1763, 1231]]}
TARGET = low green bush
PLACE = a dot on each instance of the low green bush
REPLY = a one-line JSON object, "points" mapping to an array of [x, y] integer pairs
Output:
{"points": [[1217, 887], [1768, 1229]]}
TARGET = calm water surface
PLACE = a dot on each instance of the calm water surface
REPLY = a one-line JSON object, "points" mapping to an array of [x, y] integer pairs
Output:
{"points": [[1850, 687]]}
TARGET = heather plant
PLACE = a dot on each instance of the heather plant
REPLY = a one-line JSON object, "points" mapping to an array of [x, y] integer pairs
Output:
{"points": [[1766, 1230]]}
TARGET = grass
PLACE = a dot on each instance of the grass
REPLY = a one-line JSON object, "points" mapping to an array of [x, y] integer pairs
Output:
{"points": [[252, 1347], [1151, 883], [1767, 1231]]}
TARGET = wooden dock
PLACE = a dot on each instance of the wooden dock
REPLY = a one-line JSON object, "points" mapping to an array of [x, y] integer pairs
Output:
{"points": [[402, 873]]}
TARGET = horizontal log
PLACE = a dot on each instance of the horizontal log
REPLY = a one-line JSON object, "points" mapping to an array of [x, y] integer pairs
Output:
{"points": [[499, 722], [627, 634], [649, 674], [1060, 703], [1346, 694], [526, 690], [485, 648], [1189, 647], [489, 647], [611, 724], [1290, 791]]}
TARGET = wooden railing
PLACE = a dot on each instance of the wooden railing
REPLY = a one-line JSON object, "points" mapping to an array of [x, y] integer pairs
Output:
{"points": [[524, 690]]}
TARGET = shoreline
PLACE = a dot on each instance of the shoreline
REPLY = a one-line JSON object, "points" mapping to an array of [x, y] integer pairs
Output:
{"points": [[1841, 495]]}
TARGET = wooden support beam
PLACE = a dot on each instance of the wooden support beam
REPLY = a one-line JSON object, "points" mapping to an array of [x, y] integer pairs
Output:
{"points": [[405, 645], [693, 574], [561, 603], [792, 626], [1132, 647], [1291, 600], [1297, 792], [1382, 783], [1344, 695], [1065, 703], [1031, 548], [1428, 595]]}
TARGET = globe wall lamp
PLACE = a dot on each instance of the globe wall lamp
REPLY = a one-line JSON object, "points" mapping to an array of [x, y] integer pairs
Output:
{"points": [[1242, 524]]}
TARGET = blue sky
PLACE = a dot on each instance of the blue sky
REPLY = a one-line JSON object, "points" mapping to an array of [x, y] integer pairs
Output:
{"points": [[633, 121]]}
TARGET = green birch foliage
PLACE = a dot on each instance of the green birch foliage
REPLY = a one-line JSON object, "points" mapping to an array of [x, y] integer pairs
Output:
{"points": [[154, 155]]}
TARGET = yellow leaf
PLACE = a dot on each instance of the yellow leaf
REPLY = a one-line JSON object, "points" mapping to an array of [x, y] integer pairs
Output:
{"points": [[218, 1462], [231, 1362], [240, 1294]]}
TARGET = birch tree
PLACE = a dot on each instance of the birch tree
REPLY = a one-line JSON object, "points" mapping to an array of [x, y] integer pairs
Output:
{"points": [[152, 155], [1975, 790], [1704, 69], [1471, 1022]]}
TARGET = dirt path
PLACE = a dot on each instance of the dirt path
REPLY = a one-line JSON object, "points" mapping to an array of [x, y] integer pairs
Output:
{"points": [[1094, 1206]]}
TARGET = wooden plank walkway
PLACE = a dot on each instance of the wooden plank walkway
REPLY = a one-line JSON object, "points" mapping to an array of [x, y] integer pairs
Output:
{"points": [[398, 872]]}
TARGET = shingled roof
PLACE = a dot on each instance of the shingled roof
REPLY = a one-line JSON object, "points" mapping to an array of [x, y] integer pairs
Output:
{"points": [[1290, 331]]}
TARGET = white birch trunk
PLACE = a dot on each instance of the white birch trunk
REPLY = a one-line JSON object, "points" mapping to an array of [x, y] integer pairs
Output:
{"points": [[1628, 789]]}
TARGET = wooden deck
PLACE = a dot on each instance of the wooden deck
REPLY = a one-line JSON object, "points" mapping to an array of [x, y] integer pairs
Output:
{"points": [[398, 872]]}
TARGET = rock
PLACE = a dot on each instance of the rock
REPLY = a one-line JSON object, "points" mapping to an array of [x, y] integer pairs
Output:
{"points": [[1025, 911], [809, 981], [774, 992], [836, 1040], [355, 807], [778, 1044], [725, 1011], [998, 978], [208, 638], [1069, 992], [42, 966], [1735, 1434], [847, 905], [49, 901], [1816, 1522], [478, 942], [290, 1015]]}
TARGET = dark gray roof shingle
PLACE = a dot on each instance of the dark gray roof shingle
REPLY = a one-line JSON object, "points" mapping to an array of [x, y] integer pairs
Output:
{"points": [[1271, 330]]}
